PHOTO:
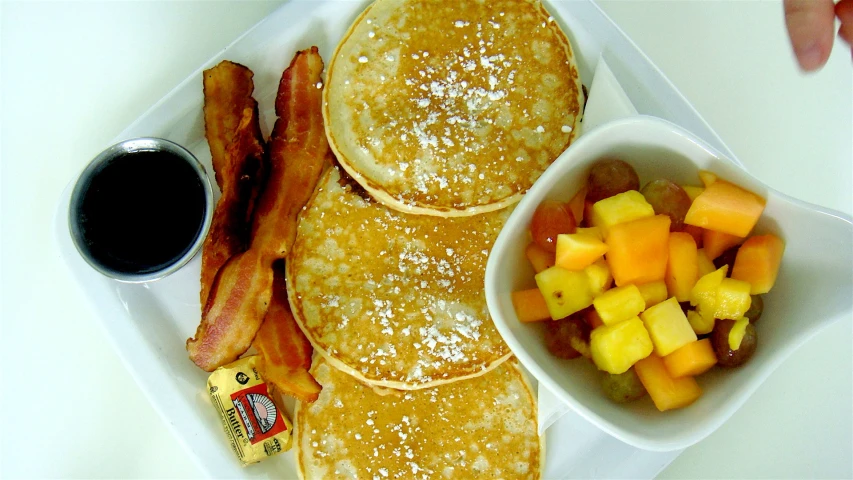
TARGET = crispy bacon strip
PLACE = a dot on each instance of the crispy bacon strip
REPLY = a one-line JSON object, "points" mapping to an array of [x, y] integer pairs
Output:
{"points": [[284, 349], [233, 133], [299, 152], [238, 301]]}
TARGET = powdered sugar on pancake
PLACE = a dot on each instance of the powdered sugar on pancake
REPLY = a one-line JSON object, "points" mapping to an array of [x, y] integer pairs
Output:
{"points": [[396, 298]]}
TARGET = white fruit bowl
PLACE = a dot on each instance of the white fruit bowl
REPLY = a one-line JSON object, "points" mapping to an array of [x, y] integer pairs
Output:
{"points": [[812, 289]]}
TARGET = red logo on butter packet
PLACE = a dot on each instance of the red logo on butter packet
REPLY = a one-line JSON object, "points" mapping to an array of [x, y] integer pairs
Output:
{"points": [[258, 413]]}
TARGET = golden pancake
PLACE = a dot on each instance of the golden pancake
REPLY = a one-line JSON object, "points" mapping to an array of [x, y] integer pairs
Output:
{"points": [[451, 108], [394, 299], [480, 428]]}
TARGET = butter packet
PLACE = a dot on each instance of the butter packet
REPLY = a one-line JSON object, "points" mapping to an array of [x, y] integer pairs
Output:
{"points": [[255, 424]]}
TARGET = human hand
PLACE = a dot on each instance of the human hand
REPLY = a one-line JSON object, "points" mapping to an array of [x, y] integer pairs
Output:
{"points": [[811, 25]]}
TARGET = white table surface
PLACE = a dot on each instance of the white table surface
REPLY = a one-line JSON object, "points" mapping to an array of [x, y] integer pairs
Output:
{"points": [[75, 74]]}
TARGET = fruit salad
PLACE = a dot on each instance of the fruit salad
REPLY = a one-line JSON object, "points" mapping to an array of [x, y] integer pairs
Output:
{"points": [[655, 285]]}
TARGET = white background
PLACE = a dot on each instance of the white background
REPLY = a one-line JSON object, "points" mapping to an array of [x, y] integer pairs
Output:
{"points": [[74, 74]]}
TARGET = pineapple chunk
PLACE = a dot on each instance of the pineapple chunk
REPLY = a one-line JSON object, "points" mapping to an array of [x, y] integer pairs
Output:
{"points": [[706, 266], [565, 291], [615, 348], [703, 296], [653, 292], [692, 191], [576, 251], [700, 324], [594, 231], [599, 276], [737, 333], [733, 299], [621, 208], [668, 327], [619, 304], [707, 177]]}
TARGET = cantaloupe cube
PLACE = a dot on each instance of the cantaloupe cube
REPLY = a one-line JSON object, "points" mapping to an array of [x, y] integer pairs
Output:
{"points": [[682, 268], [540, 258], [638, 250], [733, 299], [576, 251], [576, 204], [599, 277], [706, 266], [701, 324], [693, 359], [615, 348], [594, 231], [692, 191], [530, 305], [758, 261], [695, 232], [619, 304], [666, 392], [668, 327], [565, 291], [621, 208], [726, 208], [715, 243], [653, 292], [707, 177]]}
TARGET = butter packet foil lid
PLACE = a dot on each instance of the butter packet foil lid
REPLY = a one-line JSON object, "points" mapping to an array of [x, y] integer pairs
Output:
{"points": [[256, 425]]}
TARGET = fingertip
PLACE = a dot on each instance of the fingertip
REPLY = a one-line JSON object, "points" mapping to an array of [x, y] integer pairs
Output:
{"points": [[810, 28], [812, 57]]}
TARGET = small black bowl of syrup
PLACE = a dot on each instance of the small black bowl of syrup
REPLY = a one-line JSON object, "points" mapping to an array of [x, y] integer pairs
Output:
{"points": [[141, 209]]}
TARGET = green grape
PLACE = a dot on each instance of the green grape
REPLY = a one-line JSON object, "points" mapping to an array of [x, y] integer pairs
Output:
{"points": [[567, 338], [622, 388], [756, 308], [610, 177], [667, 198], [550, 219], [726, 357]]}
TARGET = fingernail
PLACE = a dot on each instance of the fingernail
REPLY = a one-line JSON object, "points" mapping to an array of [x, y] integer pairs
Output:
{"points": [[810, 58]]}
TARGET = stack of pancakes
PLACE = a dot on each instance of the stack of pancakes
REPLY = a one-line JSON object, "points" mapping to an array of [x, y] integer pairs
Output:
{"points": [[441, 115]]}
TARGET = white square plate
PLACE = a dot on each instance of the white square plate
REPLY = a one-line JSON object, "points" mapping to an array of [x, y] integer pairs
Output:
{"points": [[149, 323]]}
